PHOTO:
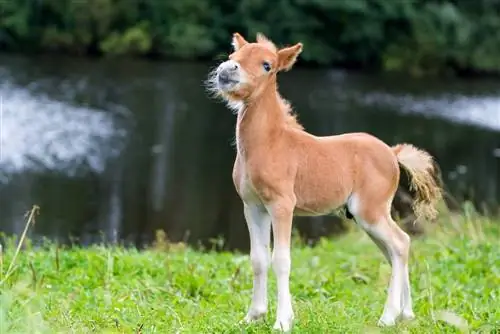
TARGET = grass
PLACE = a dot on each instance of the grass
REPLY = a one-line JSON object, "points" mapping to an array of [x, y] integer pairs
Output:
{"points": [[339, 286]]}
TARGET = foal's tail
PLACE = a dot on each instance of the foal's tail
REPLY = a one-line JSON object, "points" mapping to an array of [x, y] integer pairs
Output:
{"points": [[423, 179]]}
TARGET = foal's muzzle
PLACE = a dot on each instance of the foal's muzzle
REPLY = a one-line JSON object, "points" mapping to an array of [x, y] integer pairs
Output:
{"points": [[228, 74]]}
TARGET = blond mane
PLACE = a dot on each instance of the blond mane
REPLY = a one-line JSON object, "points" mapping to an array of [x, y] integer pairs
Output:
{"points": [[291, 116]]}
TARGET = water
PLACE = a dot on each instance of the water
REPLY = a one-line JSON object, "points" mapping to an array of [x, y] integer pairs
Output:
{"points": [[118, 149]]}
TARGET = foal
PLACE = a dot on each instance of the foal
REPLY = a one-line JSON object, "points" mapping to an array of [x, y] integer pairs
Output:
{"points": [[281, 171]]}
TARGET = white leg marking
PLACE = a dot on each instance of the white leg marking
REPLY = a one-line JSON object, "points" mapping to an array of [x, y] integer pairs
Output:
{"points": [[259, 227], [406, 301], [392, 307], [407, 313], [395, 251], [281, 265], [282, 216]]}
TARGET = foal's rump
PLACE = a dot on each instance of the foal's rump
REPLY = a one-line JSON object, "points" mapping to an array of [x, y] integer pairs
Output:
{"points": [[331, 170]]}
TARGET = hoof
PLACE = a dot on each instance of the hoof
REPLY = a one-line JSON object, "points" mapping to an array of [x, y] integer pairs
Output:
{"points": [[386, 321], [284, 325], [407, 315], [254, 315]]}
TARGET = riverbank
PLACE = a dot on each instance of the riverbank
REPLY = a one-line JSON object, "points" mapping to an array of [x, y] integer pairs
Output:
{"points": [[420, 38], [339, 285]]}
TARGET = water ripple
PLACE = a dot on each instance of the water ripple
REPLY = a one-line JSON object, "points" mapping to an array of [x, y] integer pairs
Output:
{"points": [[38, 133], [482, 111]]}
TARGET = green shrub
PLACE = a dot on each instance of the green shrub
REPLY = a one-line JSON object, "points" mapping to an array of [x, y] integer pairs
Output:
{"points": [[135, 41], [416, 36]]}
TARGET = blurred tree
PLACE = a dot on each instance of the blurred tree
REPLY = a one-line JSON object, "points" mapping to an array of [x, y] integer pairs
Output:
{"points": [[418, 36]]}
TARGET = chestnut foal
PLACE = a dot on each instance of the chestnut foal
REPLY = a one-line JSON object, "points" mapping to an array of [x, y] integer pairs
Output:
{"points": [[281, 171]]}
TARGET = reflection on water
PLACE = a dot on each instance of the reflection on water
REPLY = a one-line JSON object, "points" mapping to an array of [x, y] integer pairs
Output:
{"points": [[39, 134], [124, 148], [480, 111]]}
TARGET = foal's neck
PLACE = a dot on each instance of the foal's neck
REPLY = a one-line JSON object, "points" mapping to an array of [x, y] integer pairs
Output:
{"points": [[260, 121]]}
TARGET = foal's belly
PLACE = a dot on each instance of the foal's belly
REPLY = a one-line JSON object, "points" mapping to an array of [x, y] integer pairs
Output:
{"points": [[305, 213], [312, 211], [321, 203], [321, 193]]}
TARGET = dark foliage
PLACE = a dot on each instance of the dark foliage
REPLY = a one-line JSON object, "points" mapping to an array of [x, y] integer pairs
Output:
{"points": [[418, 36]]}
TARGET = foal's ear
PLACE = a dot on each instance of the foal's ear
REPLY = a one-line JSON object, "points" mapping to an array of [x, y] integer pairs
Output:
{"points": [[238, 41], [288, 56]]}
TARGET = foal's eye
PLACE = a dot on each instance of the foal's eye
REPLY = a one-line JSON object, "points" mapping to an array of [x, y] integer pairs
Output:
{"points": [[267, 66]]}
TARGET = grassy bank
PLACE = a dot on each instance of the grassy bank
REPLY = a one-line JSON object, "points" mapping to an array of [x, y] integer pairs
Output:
{"points": [[338, 286]]}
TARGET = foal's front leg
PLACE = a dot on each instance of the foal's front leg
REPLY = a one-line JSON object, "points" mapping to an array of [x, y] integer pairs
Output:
{"points": [[259, 228], [282, 215]]}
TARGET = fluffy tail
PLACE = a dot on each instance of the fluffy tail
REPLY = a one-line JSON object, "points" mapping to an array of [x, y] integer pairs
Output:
{"points": [[423, 179]]}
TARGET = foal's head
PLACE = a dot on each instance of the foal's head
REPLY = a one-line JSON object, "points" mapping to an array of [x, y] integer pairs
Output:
{"points": [[251, 68]]}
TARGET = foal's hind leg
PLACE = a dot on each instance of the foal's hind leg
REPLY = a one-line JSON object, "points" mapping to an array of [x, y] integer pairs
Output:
{"points": [[395, 244], [406, 300]]}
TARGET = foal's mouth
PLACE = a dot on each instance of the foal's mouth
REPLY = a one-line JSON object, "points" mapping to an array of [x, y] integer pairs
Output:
{"points": [[226, 83], [225, 79]]}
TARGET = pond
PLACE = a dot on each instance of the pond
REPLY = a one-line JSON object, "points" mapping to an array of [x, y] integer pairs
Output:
{"points": [[118, 149]]}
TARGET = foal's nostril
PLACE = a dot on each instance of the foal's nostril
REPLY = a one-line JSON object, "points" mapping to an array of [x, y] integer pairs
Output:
{"points": [[235, 67]]}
